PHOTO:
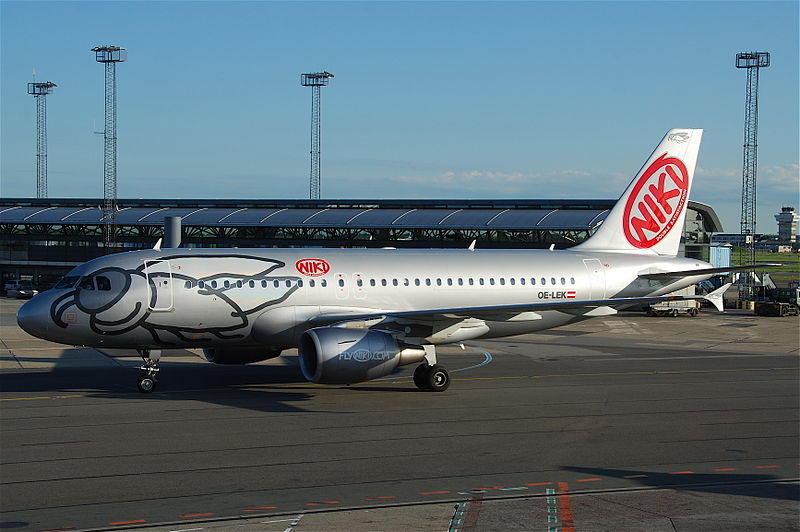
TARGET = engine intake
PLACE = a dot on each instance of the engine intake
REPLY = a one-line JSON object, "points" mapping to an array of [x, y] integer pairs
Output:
{"points": [[334, 355], [239, 355]]}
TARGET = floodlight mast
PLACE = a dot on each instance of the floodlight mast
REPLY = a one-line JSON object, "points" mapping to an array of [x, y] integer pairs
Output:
{"points": [[753, 62], [110, 55], [40, 90], [315, 80]]}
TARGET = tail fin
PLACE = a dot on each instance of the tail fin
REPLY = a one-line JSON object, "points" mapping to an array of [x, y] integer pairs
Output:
{"points": [[649, 216]]}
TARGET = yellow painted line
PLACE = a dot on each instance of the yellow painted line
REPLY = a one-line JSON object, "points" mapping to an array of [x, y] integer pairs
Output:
{"points": [[628, 373], [42, 397]]}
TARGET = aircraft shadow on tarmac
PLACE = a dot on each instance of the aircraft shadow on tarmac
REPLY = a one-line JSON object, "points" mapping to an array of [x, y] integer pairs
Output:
{"points": [[762, 486]]}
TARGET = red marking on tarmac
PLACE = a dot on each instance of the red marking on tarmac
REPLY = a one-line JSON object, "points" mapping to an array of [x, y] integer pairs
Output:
{"points": [[259, 508], [540, 484], [682, 473], [187, 516], [635, 476], [382, 497], [133, 522], [767, 466], [565, 508], [58, 529], [725, 469], [489, 488], [443, 492], [587, 480]]}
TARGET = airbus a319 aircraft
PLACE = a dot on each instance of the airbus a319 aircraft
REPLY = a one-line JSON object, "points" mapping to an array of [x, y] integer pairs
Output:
{"points": [[358, 314]]}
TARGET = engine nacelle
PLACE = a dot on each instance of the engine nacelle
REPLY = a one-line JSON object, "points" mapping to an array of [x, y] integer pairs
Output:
{"points": [[334, 355], [239, 355]]}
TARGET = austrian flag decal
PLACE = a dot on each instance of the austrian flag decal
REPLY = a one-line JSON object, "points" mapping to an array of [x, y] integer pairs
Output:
{"points": [[312, 267], [656, 202]]}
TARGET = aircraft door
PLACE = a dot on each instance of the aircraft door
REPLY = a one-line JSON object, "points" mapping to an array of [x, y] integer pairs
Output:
{"points": [[358, 286], [159, 283], [341, 286], [597, 279]]}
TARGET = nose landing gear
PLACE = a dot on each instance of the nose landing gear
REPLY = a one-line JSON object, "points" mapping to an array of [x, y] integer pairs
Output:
{"points": [[147, 380]]}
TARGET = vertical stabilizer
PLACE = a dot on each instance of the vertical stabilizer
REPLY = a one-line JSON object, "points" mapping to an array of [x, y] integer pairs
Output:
{"points": [[649, 216]]}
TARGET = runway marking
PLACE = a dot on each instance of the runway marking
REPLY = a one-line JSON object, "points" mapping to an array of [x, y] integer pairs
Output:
{"points": [[293, 524], [588, 479], [539, 484], [42, 397], [682, 473], [458, 516], [380, 498], [767, 466], [724, 469], [260, 508], [565, 508], [442, 492], [133, 522], [188, 516]]}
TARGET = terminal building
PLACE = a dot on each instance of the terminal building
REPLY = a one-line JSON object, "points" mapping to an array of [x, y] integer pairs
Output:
{"points": [[42, 239]]}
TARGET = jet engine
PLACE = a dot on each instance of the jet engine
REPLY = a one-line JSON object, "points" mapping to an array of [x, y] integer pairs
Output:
{"points": [[335, 355], [239, 354]]}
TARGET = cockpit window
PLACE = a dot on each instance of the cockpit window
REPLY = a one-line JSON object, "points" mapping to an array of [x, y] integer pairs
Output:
{"points": [[103, 283], [67, 281], [86, 283]]}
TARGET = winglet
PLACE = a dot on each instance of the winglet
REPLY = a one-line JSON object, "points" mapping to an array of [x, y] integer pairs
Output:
{"points": [[472, 246], [157, 247], [715, 297]]}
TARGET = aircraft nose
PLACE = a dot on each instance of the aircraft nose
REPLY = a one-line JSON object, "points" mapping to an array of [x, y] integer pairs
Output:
{"points": [[33, 317]]}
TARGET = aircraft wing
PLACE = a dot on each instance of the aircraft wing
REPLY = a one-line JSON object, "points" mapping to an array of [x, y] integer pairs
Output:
{"points": [[499, 312], [707, 271]]}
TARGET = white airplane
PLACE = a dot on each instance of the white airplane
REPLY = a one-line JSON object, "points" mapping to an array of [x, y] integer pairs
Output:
{"points": [[358, 314]]}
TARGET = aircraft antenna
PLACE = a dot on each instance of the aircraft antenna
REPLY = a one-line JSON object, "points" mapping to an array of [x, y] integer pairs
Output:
{"points": [[40, 90], [315, 80], [110, 56], [753, 62]]}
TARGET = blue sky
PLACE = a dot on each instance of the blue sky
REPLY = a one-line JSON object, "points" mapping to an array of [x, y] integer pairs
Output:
{"points": [[429, 99]]}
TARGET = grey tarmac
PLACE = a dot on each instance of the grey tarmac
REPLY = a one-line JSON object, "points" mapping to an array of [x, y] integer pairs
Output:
{"points": [[621, 423]]}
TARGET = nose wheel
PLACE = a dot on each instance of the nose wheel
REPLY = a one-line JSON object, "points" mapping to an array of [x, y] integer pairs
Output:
{"points": [[147, 380]]}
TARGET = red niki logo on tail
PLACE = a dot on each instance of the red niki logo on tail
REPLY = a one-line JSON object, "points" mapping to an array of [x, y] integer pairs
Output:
{"points": [[656, 202]]}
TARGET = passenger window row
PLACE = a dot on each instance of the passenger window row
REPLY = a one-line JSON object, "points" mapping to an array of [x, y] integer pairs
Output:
{"points": [[438, 281]]}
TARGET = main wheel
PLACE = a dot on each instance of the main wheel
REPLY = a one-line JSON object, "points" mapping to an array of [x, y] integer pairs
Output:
{"points": [[146, 383], [420, 377], [437, 379]]}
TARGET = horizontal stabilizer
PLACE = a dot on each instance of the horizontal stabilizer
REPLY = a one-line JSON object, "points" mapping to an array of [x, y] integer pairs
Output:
{"points": [[707, 271], [715, 297]]}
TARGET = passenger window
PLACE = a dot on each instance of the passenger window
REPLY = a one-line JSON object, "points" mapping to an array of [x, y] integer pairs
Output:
{"points": [[427, 282], [359, 282], [251, 284], [187, 284], [201, 284], [571, 280], [226, 284], [383, 282], [394, 282], [438, 282], [238, 284], [460, 281], [341, 282], [324, 283], [512, 281], [372, 282], [416, 282], [300, 283], [552, 280], [103, 283], [406, 282], [533, 280], [563, 281], [312, 283], [213, 284], [522, 280], [449, 282], [276, 283], [471, 281], [480, 281], [491, 281], [502, 281], [263, 284], [544, 281]]}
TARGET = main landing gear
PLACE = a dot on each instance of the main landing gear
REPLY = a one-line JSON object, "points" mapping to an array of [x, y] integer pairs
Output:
{"points": [[430, 376], [147, 380]]}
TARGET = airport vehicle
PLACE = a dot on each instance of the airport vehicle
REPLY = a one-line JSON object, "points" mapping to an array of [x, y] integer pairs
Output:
{"points": [[20, 289], [779, 302], [358, 314]]}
